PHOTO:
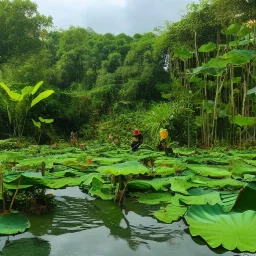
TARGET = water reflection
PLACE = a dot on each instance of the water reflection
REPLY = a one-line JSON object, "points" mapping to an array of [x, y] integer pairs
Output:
{"points": [[82, 226]]}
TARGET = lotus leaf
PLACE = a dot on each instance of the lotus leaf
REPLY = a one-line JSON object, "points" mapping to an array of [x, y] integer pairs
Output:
{"points": [[210, 198], [13, 223], [207, 47], [232, 230], [240, 167], [153, 198], [170, 213], [181, 184], [246, 200], [238, 57], [127, 168], [228, 200], [158, 184], [210, 171]]}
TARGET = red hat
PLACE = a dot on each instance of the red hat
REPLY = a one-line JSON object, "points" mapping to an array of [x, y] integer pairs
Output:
{"points": [[136, 132]]}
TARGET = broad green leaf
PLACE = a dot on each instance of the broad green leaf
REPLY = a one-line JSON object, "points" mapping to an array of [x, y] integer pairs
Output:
{"points": [[217, 62], [210, 198], [36, 87], [47, 121], [89, 179], [236, 80], [206, 70], [244, 31], [240, 42], [127, 168], [210, 171], [228, 200], [233, 29], [36, 124], [170, 213], [158, 184], [244, 121], [231, 230], [207, 47], [13, 95], [153, 198], [238, 57], [246, 200], [13, 223], [41, 96], [26, 90]]}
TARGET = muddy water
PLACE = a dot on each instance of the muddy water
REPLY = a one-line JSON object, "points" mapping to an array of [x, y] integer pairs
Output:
{"points": [[81, 226]]}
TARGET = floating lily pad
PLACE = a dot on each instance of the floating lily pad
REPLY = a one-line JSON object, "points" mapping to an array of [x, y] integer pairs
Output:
{"points": [[13, 223], [210, 171], [170, 213], [153, 198], [231, 230], [127, 168]]}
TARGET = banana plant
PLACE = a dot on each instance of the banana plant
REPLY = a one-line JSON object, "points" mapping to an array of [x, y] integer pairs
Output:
{"points": [[41, 125], [18, 104]]}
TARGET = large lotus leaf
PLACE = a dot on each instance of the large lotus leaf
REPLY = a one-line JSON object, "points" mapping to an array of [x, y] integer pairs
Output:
{"points": [[164, 171], [181, 184], [104, 191], [207, 47], [13, 223], [89, 179], [233, 29], [210, 198], [216, 62], [170, 213], [41, 96], [240, 42], [228, 200], [63, 182], [244, 121], [207, 70], [240, 167], [127, 168], [230, 184], [238, 57], [158, 184], [27, 246], [153, 198], [210, 171], [107, 161], [232, 230]]}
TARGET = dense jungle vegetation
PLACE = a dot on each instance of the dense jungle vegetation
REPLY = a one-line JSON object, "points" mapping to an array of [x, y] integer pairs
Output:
{"points": [[193, 77]]}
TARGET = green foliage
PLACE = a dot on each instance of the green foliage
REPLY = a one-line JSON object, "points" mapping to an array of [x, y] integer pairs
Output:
{"points": [[231, 230], [13, 223]]}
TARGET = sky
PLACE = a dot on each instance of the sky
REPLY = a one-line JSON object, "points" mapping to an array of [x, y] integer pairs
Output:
{"points": [[113, 16]]}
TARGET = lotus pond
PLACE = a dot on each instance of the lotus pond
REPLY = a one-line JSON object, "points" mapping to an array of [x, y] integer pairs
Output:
{"points": [[109, 201]]}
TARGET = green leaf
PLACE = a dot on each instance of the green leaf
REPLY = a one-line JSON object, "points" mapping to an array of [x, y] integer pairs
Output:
{"points": [[170, 213], [158, 184], [238, 57], [36, 87], [26, 90], [153, 198], [210, 198], [231, 230], [13, 95], [206, 70], [253, 90], [47, 121], [127, 168], [41, 96], [228, 199], [244, 121], [36, 124], [13, 223], [207, 47], [183, 53], [210, 171]]}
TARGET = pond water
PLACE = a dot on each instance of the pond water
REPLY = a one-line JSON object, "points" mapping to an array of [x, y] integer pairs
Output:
{"points": [[81, 226]]}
